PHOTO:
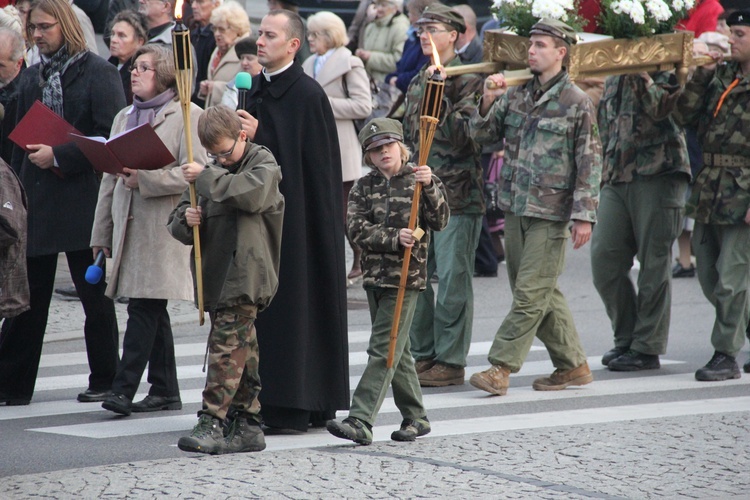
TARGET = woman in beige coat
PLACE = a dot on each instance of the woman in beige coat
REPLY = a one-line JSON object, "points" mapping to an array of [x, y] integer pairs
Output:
{"points": [[345, 81], [229, 23], [149, 266]]}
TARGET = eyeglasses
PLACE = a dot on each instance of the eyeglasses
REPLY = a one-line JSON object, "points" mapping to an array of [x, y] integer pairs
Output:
{"points": [[140, 68], [431, 30], [216, 156], [314, 34], [41, 27]]}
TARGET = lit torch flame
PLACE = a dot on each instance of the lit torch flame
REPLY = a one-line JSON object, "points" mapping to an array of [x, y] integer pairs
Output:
{"points": [[178, 10], [435, 55]]}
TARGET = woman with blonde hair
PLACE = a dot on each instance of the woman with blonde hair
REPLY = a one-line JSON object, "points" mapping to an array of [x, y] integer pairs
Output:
{"points": [[230, 24], [345, 81]]}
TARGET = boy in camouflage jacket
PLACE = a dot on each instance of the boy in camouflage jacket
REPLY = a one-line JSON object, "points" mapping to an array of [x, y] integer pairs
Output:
{"points": [[240, 214], [377, 221]]}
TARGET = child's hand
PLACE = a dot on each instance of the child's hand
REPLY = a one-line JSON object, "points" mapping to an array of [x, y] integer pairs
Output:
{"points": [[193, 216], [405, 237], [424, 174], [191, 171]]}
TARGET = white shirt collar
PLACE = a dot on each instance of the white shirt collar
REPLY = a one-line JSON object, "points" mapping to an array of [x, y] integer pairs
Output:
{"points": [[268, 76]]}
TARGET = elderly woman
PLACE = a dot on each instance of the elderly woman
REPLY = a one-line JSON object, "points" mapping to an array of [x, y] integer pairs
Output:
{"points": [[247, 51], [384, 39], [149, 266], [128, 34], [230, 24], [345, 81]]}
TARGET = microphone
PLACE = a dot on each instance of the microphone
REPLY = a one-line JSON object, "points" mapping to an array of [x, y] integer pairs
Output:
{"points": [[94, 272], [244, 82]]}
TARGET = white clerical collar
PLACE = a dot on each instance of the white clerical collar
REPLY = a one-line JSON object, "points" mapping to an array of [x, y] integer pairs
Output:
{"points": [[268, 76]]}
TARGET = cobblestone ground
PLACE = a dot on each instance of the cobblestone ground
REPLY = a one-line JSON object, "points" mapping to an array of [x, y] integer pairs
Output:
{"points": [[685, 457]]}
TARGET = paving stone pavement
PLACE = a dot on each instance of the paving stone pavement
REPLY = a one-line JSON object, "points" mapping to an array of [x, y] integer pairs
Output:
{"points": [[683, 457]]}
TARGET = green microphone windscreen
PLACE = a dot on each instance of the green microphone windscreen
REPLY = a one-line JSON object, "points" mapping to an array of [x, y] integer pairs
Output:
{"points": [[243, 81]]}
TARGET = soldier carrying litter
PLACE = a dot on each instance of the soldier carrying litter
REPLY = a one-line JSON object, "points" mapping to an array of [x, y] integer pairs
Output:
{"points": [[550, 175]]}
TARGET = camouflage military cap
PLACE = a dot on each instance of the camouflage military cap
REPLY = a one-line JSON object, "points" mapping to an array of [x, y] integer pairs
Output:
{"points": [[380, 131], [555, 28], [739, 18], [439, 13]]}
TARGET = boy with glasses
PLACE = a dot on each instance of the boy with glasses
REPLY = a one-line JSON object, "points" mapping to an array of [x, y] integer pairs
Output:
{"points": [[240, 213]]}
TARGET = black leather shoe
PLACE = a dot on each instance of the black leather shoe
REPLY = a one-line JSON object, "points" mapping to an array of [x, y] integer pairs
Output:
{"points": [[613, 353], [746, 366], [633, 361], [156, 403], [479, 274], [14, 401], [118, 403], [280, 431], [721, 367], [92, 396]]}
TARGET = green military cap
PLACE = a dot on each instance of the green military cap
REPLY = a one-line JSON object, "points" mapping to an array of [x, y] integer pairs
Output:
{"points": [[439, 13], [555, 28], [380, 131], [739, 18]]}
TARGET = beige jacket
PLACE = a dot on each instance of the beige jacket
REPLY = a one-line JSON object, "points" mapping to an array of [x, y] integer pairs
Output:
{"points": [[358, 105], [146, 261], [228, 67], [385, 39]]}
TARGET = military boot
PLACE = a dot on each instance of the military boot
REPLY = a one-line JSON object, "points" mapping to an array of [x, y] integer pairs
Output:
{"points": [[495, 380], [411, 429], [207, 437], [352, 429], [244, 437], [560, 379]]}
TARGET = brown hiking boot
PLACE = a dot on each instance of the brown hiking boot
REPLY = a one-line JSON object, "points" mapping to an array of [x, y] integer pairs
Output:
{"points": [[423, 365], [495, 380], [560, 379], [441, 375]]}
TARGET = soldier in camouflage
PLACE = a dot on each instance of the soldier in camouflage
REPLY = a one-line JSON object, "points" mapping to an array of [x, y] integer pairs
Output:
{"points": [[717, 102], [645, 174], [377, 221], [240, 213], [550, 175], [441, 331]]}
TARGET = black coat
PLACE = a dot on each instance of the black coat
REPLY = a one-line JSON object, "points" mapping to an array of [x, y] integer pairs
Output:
{"points": [[303, 334], [9, 101], [61, 210]]}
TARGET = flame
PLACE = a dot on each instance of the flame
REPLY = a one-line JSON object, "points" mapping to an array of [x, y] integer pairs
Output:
{"points": [[435, 55], [178, 9]]}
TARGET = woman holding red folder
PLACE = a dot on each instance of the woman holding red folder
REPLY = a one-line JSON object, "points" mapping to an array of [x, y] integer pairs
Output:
{"points": [[149, 266]]}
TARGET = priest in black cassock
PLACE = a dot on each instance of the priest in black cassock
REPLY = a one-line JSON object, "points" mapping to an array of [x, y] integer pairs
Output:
{"points": [[303, 334]]}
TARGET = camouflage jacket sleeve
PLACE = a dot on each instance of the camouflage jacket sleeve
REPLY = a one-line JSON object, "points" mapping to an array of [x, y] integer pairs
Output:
{"points": [[488, 129], [435, 212], [459, 102], [369, 236], [588, 159], [659, 99], [692, 104]]}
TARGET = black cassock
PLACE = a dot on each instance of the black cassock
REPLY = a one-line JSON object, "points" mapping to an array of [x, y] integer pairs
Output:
{"points": [[302, 336]]}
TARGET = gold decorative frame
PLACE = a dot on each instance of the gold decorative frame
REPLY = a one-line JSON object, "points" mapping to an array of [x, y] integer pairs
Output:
{"points": [[601, 58]]}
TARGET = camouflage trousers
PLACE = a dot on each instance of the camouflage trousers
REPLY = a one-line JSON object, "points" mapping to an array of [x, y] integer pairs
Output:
{"points": [[535, 253], [232, 380]]}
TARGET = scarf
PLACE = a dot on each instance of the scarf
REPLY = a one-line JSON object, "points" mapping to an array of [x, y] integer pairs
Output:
{"points": [[145, 111], [50, 77]]}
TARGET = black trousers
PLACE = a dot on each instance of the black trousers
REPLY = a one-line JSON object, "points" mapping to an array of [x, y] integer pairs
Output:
{"points": [[22, 337], [485, 258], [148, 339]]}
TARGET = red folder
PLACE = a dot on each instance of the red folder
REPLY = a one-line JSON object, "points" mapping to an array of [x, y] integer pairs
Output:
{"points": [[41, 125], [137, 148]]}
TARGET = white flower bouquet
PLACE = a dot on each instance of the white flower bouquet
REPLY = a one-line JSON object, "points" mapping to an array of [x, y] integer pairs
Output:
{"points": [[639, 18], [520, 15]]}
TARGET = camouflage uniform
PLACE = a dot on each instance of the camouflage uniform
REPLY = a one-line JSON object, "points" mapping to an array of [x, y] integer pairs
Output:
{"points": [[242, 214], [378, 208], [550, 175], [645, 174], [443, 331], [721, 198]]}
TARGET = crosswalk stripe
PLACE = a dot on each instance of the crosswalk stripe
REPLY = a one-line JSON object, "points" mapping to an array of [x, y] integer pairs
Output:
{"points": [[459, 399], [132, 427]]}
